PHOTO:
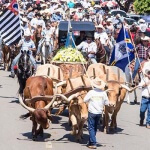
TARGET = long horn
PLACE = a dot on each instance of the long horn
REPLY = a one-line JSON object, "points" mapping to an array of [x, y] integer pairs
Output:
{"points": [[49, 104], [127, 88], [73, 96], [107, 75], [54, 98], [26, 107]]}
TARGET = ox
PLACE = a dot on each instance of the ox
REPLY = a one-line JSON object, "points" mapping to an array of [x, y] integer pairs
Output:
{"points": [[115, 80], [78, 112], [39, 109]]}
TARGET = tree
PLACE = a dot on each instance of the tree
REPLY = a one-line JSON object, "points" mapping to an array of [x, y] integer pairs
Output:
{"points": [[126, 5], [142, 6]]}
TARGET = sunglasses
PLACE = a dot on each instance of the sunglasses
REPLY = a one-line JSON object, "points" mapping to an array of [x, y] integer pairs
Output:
{"points": [[145, 41]]}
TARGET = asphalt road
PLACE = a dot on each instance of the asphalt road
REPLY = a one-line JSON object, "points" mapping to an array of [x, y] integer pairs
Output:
{"points": [[15, 134]]}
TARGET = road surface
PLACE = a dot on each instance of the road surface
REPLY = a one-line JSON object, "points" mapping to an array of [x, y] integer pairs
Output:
{"points": [[15, 134]]}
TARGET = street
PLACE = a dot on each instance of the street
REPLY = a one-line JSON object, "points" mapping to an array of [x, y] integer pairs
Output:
{"points": [[15, 134]]}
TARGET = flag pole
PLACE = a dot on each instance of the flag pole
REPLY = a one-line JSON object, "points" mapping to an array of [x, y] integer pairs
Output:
{"points": [[127, 53], [139, 62]]}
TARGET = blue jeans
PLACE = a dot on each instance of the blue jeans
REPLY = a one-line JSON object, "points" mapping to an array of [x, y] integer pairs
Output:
{"points": [[145, 105], [93, 120], [136, 67]]}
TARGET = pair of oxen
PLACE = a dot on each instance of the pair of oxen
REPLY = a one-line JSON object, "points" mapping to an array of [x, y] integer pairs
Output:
{"points": [[41, 95]]}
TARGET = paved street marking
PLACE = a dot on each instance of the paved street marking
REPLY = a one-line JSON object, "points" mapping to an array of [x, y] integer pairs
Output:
{"points": [[48, 145]]}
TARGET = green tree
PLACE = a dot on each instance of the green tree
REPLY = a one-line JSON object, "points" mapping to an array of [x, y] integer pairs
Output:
{"points": [[142, 6]]}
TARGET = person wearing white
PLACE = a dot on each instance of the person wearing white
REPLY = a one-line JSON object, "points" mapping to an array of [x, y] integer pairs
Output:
{"points": [[101, 34], [47, 33], [26, 44], [97, 99], [89, 47]]}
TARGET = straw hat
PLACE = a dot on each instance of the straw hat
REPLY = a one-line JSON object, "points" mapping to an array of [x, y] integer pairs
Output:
{"points": [[98, 83], [27, 32], [24, 20], [146, 38], [100, 26]]}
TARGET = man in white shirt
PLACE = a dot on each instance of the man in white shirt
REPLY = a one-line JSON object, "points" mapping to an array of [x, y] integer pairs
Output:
{"points": [[89, 47], [97, 99], [26, 44]]}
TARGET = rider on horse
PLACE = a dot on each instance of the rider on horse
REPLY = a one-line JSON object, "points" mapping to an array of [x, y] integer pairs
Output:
{"points": [[26, 42], [89, 47], [45, 33]]}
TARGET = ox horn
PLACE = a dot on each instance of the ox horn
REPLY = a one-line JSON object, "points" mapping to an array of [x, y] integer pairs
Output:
{"points": [[49, 104], [127, 88], [26, 107], [61, 83], [54, 98], [73, 96]]}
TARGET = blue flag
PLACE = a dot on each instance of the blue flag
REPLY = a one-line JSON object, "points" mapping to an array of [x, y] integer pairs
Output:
{"points": [[123, 50]]}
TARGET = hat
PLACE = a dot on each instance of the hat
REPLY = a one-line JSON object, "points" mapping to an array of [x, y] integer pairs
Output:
{"points": [[57, 10], [97, 6], [40, 24], [27, 32], [118, 15], [147, 71], [109, 20], [141, 21], [98, 83], [24, 20], [89, 35], [100, 26], [54, 1], [146, 38], [43, 5]]}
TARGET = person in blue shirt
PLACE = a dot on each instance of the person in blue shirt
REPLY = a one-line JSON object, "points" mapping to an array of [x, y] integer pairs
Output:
{"points": [[70, 4]]}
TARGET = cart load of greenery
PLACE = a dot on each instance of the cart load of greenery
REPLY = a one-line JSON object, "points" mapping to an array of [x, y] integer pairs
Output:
{"points": [[69, 55]]}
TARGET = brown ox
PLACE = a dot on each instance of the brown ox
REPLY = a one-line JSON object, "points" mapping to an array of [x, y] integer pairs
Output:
{"points": [[78, 112], [38, 109], [115, 80]]}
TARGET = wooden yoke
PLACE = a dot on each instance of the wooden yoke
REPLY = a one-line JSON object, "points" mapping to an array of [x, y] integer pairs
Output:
{"points": [[58, 73], [83, 80], [70, 84], [94, 75], [107, 75], [48, 73], [104, 69]]}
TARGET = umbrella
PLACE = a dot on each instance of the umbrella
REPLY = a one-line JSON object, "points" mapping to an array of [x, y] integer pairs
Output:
{"points": [[109, 4]]}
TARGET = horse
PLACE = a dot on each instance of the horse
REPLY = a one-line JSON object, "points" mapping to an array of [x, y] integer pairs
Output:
{"points": [[24, 70], [101, 53], [46, 49]]}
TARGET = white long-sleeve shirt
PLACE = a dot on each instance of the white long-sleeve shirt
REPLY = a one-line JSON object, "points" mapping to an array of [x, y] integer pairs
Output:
{"points": [[85, 47], [97, 99]]}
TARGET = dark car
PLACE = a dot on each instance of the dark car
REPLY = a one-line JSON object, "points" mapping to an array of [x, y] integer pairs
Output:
{"points": [[114, 12], [134, 16], [130, 21]]}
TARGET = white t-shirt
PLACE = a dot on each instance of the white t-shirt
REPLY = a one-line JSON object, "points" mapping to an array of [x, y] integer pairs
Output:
{"points": [[103, 37], [145, 90], [85, 47], [97, 99]]}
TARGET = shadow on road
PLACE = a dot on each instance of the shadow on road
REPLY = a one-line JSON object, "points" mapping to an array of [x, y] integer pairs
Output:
{"points": [[15, 101], [39, 138], [8, 97]]}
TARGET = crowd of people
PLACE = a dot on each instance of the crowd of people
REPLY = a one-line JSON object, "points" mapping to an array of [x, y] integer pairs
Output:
{"points": [[46, 15]]}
